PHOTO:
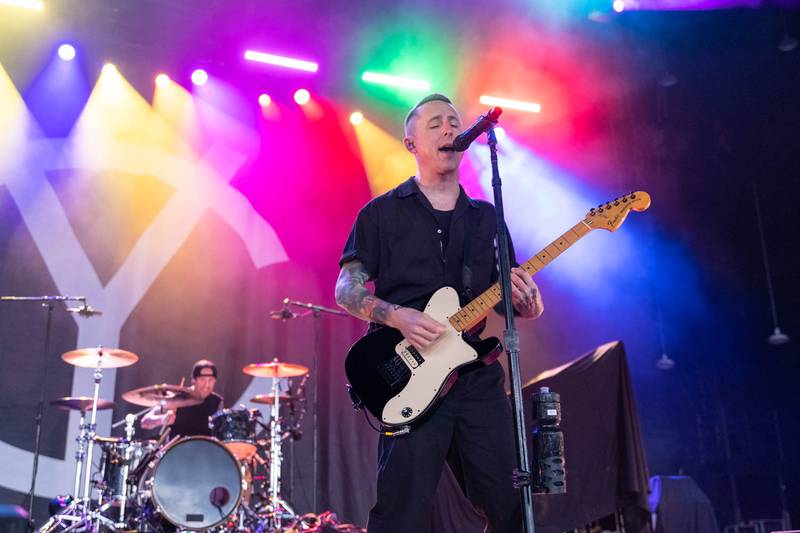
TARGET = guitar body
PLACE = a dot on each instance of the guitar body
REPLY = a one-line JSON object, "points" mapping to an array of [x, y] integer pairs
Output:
{"points": [[399, 384]]}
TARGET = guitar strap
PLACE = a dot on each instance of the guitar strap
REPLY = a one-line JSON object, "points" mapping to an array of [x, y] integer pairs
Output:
{"points": [[466, 271]]}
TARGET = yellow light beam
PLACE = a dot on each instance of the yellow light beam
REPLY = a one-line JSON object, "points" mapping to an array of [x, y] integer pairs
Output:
{"points": [[177, 107], [115, 111], [16, 121], [386, 160]]}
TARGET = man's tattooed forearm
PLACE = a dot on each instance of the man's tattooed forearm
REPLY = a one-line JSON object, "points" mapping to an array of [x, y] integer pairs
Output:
{"points": [[353, 295], [351, 287], [380, 309]]}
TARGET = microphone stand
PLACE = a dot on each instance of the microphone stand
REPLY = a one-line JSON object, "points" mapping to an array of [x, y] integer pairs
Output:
{"points": [[521, 475], [47, 303], [316, 311]]}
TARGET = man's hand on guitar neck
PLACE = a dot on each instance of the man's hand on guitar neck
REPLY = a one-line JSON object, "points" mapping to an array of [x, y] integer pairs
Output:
{"points": [[525, 294], [353, 295]]}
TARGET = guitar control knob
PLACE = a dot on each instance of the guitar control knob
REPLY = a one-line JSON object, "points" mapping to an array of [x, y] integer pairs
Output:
{"points": [[406, 412]]}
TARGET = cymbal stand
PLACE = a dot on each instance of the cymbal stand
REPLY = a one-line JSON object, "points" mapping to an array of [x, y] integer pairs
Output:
{"points": [[89, 516], [79, 513], [98, 377], [279, 507], [79, 455]]}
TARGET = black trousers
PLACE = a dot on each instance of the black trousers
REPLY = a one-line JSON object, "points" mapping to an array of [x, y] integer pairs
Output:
{"points": [[474, 423]]}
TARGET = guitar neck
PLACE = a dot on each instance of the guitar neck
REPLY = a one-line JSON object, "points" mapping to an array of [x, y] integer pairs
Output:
{"points": [[471, 314]]}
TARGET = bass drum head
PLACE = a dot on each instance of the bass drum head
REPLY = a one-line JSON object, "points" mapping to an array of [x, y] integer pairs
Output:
{"points": [[197, 483]]}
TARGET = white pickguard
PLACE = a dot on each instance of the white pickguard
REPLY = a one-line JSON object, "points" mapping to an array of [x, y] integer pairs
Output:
{"points": [[427, 379]]}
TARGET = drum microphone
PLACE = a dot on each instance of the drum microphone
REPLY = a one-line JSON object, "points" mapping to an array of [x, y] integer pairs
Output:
{"points": [[484, 123], [84, 311]]}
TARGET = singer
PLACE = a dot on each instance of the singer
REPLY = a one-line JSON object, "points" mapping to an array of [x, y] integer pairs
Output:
{"points": [[423, 235]]}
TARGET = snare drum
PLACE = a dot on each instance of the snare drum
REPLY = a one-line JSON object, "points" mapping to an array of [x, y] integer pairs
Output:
{"points": [[236, 428], [196, 484]]}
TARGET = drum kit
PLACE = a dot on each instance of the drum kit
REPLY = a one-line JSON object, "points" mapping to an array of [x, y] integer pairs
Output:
{"points": [[198, 483]]}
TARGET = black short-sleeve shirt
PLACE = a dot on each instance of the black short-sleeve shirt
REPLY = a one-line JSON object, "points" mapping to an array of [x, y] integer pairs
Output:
{"points": [[397, 238], [192, 421]]}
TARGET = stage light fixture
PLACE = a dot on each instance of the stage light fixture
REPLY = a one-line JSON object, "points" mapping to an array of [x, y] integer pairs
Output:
{"points": [[66, 52], [162, 80], [302, 96], [110, 68], [356, 118], [505, 103], [618, 6], [281, 61], [264, 100], [36, 5], [395, 81], [199, 77]]}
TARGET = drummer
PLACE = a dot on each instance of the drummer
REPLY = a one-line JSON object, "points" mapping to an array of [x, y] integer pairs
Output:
{"points": [[192, 420]]}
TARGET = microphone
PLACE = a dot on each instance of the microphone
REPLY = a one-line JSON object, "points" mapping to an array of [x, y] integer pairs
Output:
{"points": [[84, 311], [283, 313], [484, 123]]}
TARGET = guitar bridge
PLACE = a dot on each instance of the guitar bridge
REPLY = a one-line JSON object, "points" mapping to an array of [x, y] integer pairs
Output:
{"points": [[394, 371]]}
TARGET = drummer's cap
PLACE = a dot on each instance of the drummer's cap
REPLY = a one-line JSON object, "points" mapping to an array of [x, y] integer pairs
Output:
{"points": [[204, 367]]}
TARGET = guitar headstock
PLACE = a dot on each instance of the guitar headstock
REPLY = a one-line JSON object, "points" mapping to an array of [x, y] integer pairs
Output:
{"points": [[612, 214]]}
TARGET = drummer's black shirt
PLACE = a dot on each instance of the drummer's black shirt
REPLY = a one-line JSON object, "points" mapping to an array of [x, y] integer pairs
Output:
{"points": [[193, 420]]}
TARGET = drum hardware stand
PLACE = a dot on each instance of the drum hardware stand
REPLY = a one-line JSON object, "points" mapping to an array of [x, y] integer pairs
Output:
{"points": [[315, 311], [79, 454], [47, 303], [123, 498], [80, 510], [272, 512], [275, 502]]}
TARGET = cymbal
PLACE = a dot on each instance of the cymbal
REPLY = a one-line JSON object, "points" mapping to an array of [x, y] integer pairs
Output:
{"points": [[108, 357], [269, 398], [80, 403], [171, 396], [275, 369]]}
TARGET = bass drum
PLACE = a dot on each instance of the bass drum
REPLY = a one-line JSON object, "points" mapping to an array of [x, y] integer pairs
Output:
{"points": [[196, 483]]}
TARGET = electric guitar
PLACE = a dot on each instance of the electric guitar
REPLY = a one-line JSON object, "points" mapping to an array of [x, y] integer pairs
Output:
{"points": [[399, 384]]}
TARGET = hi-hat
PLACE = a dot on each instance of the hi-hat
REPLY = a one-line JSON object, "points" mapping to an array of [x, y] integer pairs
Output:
{"points": [[106, 357], [170, 396], [269, 399], [275, 369], [80, 403]]}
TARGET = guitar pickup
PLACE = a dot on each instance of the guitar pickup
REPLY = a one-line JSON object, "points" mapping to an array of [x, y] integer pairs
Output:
{"points": [[411, 356], [394, 371]]}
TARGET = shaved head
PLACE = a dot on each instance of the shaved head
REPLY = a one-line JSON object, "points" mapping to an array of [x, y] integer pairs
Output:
{"points": [[411, 115]]}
